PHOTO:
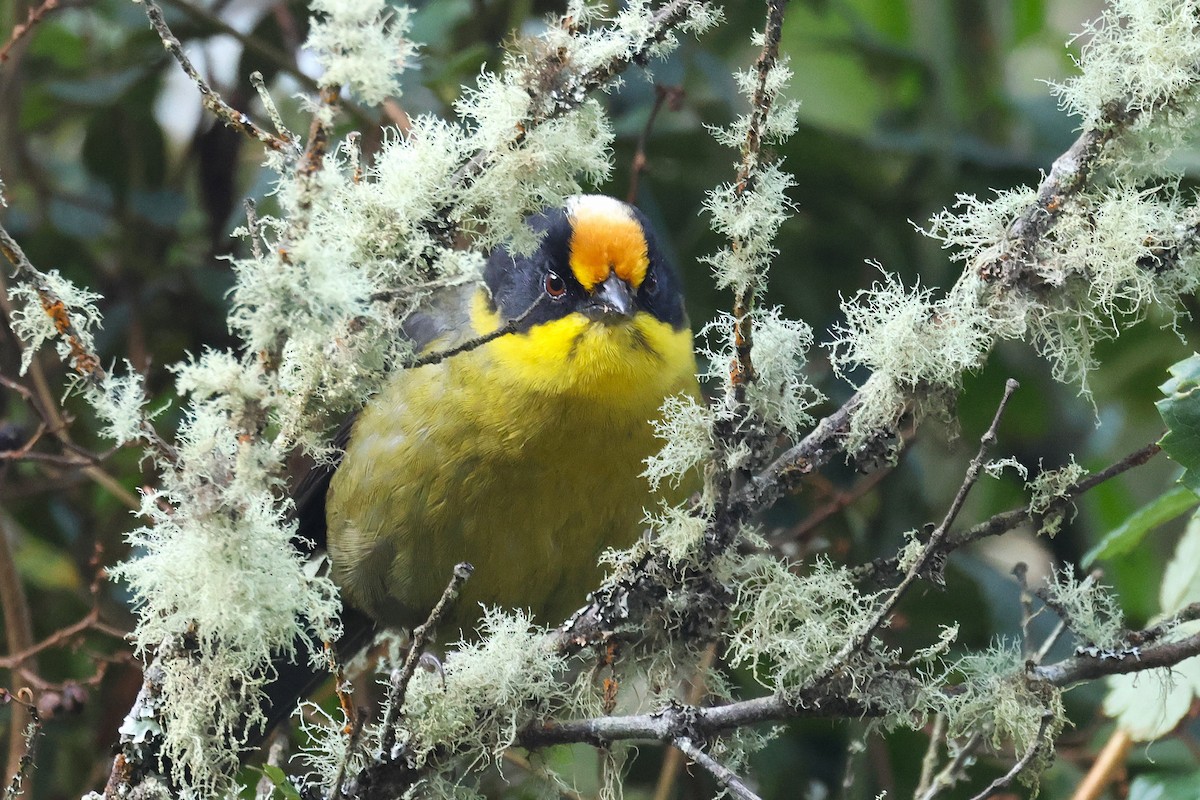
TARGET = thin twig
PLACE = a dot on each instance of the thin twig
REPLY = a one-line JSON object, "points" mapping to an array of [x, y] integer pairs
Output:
{"points": [[1086, 666], [512, 326], [211, 99], [1006, 521], [1040, 655], [27, 734], [398, 688], [724, 775], [89, 622], [1035, 749], [841, 500], [955, 771], [929, 762], [917, 569], [741, 369], [253, 44], [18, 634], [670, 96], [32, 17], [85, 362]]}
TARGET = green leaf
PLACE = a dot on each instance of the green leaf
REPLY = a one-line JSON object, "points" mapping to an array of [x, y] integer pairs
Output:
{"points": [[1028, 18], [1129, 534], [1150, 704], [1180, 409], [1181, 579], [277, 777], [1165, 787], [44, 566]]}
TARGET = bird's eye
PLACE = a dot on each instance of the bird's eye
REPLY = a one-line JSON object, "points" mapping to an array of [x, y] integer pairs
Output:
{"points": [[556, 287]]}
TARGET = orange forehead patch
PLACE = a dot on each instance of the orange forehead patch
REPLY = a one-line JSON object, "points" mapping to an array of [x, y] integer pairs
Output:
{"points": [[606, 238]]}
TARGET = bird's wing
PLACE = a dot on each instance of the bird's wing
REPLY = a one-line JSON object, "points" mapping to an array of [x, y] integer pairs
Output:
{"points": [[443, 321]]}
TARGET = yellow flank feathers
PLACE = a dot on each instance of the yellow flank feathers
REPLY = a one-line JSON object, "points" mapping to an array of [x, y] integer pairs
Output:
{"points": [[606, 237], [521, 456]]}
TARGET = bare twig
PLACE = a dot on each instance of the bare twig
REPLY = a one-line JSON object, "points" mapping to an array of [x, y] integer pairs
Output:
{"points": [[955, 771], [32, 17], [400, 678], [918, 568], [672, 98], [1086, 666], [211, 99], [1039, 744], [512, 326], [27, 735], [253, 44], [929, 762], [89, 622], [725, 776], [1006, 521], [670, 723], [18, 634], [264, 97], [839, 501]]}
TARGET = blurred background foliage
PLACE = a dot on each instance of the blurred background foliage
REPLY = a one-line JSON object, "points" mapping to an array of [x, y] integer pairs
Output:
{"points": [[114, 177]]}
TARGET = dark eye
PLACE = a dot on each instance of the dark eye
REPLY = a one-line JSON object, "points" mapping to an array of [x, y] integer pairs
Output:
{"points": [[556, 287], [650, 283]]}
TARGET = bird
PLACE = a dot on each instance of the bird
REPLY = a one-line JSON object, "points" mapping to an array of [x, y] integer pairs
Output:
{"points": [[522, 456]]}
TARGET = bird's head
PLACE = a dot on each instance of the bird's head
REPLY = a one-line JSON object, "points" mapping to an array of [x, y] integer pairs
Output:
{"points": [[597, 307]]}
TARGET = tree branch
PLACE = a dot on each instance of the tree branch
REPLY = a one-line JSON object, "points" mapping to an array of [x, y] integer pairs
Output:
{"points": [[398, 688], [724, 775]]}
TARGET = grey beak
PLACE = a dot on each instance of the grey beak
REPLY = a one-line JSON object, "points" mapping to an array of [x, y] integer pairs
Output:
{"points": [[610, 300]]}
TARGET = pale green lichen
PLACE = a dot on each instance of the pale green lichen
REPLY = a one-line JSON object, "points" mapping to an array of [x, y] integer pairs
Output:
{"points": [[787, 627], [34, 326], [685, 425], [1047, 495], [779, 396], [996, 467], [750, 220], [363, 44], [995, 698], [1089, 609], [492, 688], [678, 530], [328, 749], [120, 406], [1144, 52], [917, 346]]}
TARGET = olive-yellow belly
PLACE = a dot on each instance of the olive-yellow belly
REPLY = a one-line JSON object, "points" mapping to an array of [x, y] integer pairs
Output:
{"points": [[490, 458]]}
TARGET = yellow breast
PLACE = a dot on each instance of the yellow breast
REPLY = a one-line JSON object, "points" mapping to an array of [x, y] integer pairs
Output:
{"points": [[522, 456]]}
